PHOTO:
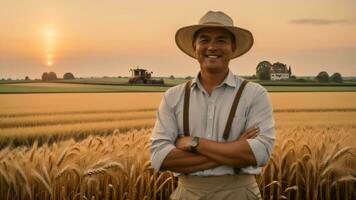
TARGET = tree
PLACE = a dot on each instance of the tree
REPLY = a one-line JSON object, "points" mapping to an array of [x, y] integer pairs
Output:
{"points": [[68, 76], [27, 78], [52, 76], [171, 77], [264, 73], [49, 76], [263, 70], [322, 77], [45, 76], [336, 77]]}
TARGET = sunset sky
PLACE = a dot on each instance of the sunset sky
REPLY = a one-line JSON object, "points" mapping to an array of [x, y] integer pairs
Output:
{"points": [[107, 38]]}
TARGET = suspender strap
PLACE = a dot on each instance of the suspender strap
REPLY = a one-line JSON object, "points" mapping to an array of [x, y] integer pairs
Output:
{"points": [[233, 110], [231, 115], [186, 108]]}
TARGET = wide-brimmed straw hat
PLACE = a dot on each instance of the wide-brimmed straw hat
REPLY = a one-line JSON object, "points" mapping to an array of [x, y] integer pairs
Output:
{"points": [[243, 37]]}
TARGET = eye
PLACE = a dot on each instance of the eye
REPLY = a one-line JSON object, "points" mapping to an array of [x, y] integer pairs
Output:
{"points": [[203, 40]]}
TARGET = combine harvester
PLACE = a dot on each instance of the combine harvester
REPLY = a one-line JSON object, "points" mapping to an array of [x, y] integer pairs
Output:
{"points": [[142, 76]]}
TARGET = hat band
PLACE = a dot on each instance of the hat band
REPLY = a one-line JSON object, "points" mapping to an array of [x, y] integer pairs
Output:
{"points": [[212, 23]]}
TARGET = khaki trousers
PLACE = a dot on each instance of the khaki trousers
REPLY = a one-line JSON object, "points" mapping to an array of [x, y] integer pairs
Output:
{"points": [[227, 187]]}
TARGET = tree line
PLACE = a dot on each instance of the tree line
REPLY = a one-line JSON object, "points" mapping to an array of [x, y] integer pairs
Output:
{"points": [[51, 76], [322, 77]]}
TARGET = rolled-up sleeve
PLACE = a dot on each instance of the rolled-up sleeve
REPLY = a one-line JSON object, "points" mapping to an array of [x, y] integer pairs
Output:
{"points": [[164, 134], [261, 114]]}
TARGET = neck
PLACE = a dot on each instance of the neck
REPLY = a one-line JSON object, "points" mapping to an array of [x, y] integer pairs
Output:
{"points": [[211, 80]]}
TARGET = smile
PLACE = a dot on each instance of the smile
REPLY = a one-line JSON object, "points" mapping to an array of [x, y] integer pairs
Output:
{"points": [[212, 56]]}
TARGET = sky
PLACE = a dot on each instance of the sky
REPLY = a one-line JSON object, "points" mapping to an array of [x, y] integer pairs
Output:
{"points": [[106, 38]]}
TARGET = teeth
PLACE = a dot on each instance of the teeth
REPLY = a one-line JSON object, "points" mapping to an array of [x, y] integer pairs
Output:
{"points": [[212, 56]]}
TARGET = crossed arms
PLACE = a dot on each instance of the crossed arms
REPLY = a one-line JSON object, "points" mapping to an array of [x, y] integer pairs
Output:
{"points": [[210, 154], [251, 149]]}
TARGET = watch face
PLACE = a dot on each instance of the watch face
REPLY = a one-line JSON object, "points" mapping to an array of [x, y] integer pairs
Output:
{"points": [[194, 143]]}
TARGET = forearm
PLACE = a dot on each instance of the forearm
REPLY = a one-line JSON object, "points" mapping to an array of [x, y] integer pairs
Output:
{"points": [[234, 154], [187, 162]]}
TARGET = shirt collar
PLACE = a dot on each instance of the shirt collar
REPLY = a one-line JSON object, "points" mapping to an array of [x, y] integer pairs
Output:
{"points": [[230, 80]]}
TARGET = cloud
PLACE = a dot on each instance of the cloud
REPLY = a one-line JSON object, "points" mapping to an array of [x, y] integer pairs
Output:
{"points": [[320, 21]]}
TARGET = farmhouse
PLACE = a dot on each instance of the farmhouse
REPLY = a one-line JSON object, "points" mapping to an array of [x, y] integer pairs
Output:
{"points": [[277, 71]]}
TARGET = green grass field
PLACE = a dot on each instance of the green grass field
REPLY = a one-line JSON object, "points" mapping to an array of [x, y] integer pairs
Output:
{"points": [[167, 81], [89, 85], [113, 81], [308, 83], [69, 88], [311, 88], [88, 88]]}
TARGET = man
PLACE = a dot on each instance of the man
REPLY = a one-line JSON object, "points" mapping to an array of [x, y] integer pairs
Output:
{"points": [[215, 132]]}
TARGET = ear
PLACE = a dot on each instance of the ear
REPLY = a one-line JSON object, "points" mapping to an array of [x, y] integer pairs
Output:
{"points": [[233, 47], [193, 44]]}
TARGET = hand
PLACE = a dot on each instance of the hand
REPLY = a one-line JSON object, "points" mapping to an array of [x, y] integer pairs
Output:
{"points": [[183, 143], [250, 133]]}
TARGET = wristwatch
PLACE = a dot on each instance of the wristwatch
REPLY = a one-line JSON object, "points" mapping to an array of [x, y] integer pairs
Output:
{"points": [[194, 144]]}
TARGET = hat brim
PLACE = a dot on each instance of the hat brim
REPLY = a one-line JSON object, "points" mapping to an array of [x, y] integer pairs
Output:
{"points": [[184, 39]]}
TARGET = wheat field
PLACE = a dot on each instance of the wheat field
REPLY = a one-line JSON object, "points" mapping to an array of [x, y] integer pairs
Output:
{"points": [[25, 118], [95, 147], [118, 167]]}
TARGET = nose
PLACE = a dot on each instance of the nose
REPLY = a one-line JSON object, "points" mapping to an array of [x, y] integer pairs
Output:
{"points": [[212, 46]]}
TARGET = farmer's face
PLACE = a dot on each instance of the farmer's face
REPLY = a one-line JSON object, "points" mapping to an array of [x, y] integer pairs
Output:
{"points": [[213, 48]]}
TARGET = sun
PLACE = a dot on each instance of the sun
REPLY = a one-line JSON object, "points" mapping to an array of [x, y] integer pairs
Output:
{"points": [[49, 32], [49, 63]]}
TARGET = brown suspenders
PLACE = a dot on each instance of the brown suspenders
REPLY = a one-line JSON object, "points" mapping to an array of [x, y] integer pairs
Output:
{"points": [[233, 110], [231, 115], [186, 108]]}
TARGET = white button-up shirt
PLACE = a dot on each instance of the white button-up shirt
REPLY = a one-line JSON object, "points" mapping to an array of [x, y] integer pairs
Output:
{"points": [[208, 115]]}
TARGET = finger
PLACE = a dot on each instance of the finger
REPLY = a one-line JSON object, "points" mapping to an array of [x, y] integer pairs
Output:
{"points": [[180, 136], [253, 132], [250, 130], [251, 136]]}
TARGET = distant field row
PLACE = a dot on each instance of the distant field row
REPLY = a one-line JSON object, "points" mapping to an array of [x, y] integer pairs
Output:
{"points": [[74, 88], [71, 118], [176, 81], [30, 104], [282, 118], [92, 88], [167, 81], [36, 120], [26, 117], [23, 130]]}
